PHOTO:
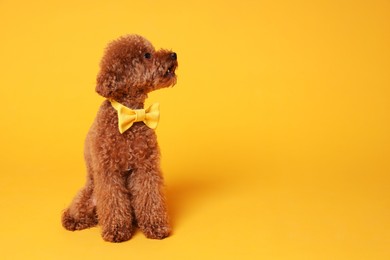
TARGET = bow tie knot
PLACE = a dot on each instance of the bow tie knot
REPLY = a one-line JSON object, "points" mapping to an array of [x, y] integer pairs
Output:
{"points": [[127, 116]]}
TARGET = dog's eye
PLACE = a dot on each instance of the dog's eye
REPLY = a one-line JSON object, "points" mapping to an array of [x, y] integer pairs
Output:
{"points": [[148, 55]]}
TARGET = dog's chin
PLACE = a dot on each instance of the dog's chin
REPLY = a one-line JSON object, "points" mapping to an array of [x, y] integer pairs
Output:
{"points": [[167, 81], [169, 78]]}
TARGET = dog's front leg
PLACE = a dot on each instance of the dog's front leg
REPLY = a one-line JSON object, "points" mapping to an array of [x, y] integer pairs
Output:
{"points": [[113, 206], [148, 201]]}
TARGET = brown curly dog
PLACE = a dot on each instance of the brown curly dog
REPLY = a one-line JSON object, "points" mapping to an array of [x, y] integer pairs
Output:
{"points": [[124, 186]]}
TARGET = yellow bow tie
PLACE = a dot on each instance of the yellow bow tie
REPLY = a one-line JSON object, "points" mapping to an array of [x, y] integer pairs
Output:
{"points": [[127, 116]]}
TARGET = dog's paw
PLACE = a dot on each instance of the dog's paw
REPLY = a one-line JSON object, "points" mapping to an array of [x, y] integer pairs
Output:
{"points": [[116, 233], [157, 231], [72, 224]]}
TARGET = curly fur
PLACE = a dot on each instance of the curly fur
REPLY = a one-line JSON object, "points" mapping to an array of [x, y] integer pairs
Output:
{"points": [[124, 186]]}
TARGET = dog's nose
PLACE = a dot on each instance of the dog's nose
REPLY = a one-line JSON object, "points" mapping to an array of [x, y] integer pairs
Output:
{"points": [[173, 56]]}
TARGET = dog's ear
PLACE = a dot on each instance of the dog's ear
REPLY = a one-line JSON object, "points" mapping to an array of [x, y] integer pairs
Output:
{"points": [[110, 77], [105, 83]]}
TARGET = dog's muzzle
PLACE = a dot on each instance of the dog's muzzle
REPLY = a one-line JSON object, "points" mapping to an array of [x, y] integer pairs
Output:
{"points": [[170, 72]]}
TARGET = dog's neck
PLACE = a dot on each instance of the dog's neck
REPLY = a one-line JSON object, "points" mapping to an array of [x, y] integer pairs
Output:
{"points": [[133, 102]]}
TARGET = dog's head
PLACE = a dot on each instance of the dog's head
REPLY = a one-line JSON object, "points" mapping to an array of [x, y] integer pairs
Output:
{"points": [[131, 67]]}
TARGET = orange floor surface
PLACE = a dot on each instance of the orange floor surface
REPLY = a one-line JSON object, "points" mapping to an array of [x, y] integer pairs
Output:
{"points": [[275, 141]]}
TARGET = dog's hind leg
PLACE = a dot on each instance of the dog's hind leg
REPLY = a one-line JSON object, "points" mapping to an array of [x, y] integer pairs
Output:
{"points": [[81, 213]]}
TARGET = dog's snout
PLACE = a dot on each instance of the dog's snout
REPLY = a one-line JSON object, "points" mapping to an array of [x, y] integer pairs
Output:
{"points": [[173, 56]]}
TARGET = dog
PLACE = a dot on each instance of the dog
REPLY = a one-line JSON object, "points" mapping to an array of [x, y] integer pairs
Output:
{"points": [[124, 186]]}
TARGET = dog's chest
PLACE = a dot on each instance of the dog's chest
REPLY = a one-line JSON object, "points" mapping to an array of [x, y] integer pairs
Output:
{"points": [[134, 145], [139, 136]]}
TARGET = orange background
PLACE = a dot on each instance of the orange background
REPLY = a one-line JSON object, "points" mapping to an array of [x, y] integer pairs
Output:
{"points": [[275, 141]]}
